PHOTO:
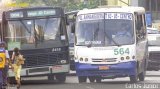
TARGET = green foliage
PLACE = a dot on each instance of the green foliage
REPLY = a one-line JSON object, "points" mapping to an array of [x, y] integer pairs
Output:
{"points": [[68, 5]]}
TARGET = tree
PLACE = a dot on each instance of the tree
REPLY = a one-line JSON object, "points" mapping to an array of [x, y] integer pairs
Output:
{"points": [[68, 5]]}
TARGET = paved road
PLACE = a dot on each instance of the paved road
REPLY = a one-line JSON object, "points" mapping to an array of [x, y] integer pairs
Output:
{"points": [[151, 82]]}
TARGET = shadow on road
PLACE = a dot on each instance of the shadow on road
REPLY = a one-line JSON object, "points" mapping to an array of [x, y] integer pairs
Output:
{"points": [[35, 82]]}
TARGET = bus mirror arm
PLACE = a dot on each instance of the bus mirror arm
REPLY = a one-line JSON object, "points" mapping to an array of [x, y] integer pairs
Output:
{"points": [[73, 28], [66, 19]]}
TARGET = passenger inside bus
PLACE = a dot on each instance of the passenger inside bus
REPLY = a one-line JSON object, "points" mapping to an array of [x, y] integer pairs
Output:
{"points": [[123, 31], [123, 34]]}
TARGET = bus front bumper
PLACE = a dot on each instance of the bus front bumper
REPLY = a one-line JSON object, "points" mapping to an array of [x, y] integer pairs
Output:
{"points": [[120, 69], [42, 71]]}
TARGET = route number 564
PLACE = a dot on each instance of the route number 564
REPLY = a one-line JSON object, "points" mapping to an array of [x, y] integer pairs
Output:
{"points": [[121, 51]]}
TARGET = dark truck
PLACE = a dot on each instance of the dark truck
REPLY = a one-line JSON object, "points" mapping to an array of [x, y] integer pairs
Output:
{"points": [[154, 49]]}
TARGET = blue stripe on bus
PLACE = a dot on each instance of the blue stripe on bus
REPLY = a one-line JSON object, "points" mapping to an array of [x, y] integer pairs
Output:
{"points": [[127, 68]]}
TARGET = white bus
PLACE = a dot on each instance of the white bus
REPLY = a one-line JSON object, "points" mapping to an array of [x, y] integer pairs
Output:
{"points": [[111, 42]]}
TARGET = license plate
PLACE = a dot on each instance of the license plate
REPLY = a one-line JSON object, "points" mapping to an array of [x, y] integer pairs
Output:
{"points": [[103, 67]]}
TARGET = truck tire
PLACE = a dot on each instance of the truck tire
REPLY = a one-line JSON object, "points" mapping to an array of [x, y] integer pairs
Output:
{"points": [[82, 79]]}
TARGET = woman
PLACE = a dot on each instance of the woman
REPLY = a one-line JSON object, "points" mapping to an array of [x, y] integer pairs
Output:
{"points": [[16, 66]]}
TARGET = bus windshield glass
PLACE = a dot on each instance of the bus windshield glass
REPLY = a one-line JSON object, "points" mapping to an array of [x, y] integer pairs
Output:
{"points": [[101, 29], [35, 33]]}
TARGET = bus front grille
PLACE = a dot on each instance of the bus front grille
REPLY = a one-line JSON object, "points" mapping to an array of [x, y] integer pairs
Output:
{"points": [[34, 60], [104, 60]]}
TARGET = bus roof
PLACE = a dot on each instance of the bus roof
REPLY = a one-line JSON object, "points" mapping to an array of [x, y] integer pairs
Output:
{"points": [[30, 8], [126, 9]]}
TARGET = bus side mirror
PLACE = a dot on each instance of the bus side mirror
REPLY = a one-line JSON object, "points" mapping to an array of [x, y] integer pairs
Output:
{"points": [[66, 19], [73, 28]]}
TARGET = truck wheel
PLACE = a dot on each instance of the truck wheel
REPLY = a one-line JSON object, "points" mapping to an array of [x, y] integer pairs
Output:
{"points": [[61, 78], [91, 79], [82, 79], [133, 78]]}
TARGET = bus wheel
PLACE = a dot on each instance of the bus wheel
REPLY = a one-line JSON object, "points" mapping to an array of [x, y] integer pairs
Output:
{"points": [[141, 76], [133, 78], [91, 79], [98, 79], [61, 78], [82, 79]]}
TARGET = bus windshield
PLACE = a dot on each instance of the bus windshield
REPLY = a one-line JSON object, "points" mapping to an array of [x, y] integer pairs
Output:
{"points": [[34, 33], [104, 32]]}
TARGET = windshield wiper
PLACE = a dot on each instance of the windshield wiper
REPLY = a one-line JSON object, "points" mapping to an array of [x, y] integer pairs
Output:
{"points": [[25, 26]]}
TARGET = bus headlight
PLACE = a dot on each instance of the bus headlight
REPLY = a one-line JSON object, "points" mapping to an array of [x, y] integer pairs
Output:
{"points": [[86, 60], [63, 61], [81, 59], [122, 58], [1, 59], [127, 57], [133, 57]]}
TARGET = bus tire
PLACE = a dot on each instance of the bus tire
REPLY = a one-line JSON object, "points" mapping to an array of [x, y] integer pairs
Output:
{"points": [[91, 79], [61, 78], [98, 80], [133, 78], [82, 79]]}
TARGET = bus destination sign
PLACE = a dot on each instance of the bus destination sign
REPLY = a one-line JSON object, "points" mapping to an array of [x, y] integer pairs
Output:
{"points": [[44, 12], [16, 14]]}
